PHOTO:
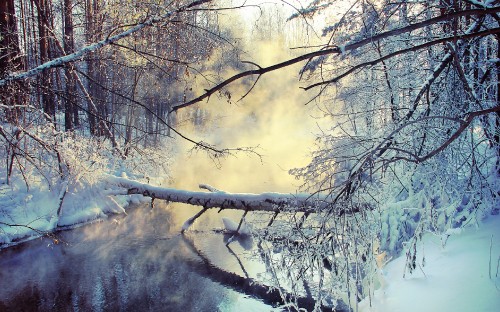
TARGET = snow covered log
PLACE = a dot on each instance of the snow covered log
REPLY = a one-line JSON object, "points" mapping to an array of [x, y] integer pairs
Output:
{"points": [[217, 199]]}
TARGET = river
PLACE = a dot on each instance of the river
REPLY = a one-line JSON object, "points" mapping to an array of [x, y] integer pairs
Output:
{"points": [[130, 263]]}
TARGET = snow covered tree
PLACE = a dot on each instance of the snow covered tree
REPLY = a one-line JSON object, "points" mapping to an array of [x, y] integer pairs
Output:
{"points": [[414, 110]]}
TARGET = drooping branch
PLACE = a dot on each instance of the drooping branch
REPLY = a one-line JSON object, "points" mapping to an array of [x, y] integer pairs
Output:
{"points": [[463, 126], [404, 51], [259, 72], [385, 145]]}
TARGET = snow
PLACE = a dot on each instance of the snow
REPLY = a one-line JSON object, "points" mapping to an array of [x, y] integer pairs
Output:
{"points": [[455, 277], [30, 210], [39, 201], [232, 227], [27, 214]]}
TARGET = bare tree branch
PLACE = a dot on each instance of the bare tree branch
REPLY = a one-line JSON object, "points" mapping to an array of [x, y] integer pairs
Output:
{"points": [[261, 71], [78, 55], [464, 124], [338, 50]]}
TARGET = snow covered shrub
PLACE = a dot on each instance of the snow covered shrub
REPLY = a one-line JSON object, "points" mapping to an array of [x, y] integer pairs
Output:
{"points": [[383, 198], [85, 159], [150, 163], [54, 178]]}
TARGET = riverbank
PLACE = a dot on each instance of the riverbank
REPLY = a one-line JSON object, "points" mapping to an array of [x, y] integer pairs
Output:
{"points": [[29, 213], [68, 188], [459, 273]]}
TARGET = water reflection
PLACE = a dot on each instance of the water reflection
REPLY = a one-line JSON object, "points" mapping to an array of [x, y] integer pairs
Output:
{"points": [[133, 263]]}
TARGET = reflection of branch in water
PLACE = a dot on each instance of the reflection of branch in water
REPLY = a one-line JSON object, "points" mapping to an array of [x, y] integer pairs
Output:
{"points": [[269, 295], [239, 261], [293, 267]]}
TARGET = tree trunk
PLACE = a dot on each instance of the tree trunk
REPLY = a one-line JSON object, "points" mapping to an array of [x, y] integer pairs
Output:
{"points": [[44, 15], [496, 136], [10, 61], [92, 65], [71, 110]]}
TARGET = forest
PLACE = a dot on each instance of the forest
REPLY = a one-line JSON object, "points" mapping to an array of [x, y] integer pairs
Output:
{"points": [[97, 97]]}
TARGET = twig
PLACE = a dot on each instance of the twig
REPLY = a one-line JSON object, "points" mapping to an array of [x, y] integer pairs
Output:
{"points": [[238, 228], [209, 188], [191, 220]]}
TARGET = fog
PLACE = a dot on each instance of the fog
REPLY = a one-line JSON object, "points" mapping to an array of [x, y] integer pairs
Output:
{"points": [[272, 118]]}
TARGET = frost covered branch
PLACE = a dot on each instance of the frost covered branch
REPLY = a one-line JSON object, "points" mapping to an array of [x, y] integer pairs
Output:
{"points": [[400, 52]]}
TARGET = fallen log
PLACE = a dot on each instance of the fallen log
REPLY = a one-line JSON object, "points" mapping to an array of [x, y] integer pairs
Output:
{"points": [[271, 202]]}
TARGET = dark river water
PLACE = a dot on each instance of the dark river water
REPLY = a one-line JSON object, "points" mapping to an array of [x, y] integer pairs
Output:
{"points": [[138, 262]]}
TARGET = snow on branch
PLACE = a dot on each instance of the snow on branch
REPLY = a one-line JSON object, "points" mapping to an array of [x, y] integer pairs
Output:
{"points": [[353, 69], [271, 202], [78, 55]]}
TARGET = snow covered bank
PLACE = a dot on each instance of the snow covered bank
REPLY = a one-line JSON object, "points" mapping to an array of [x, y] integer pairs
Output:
{"points": [[64, 187], [27, 214], [455, 277]]}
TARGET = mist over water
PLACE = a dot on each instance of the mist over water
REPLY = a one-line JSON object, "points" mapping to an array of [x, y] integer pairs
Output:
{"points": [[272, 118]]}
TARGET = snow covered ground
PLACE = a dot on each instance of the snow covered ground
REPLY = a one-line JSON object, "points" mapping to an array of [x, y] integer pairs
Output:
{"points": [[37, 200], [455, 277], [29, 214]]}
